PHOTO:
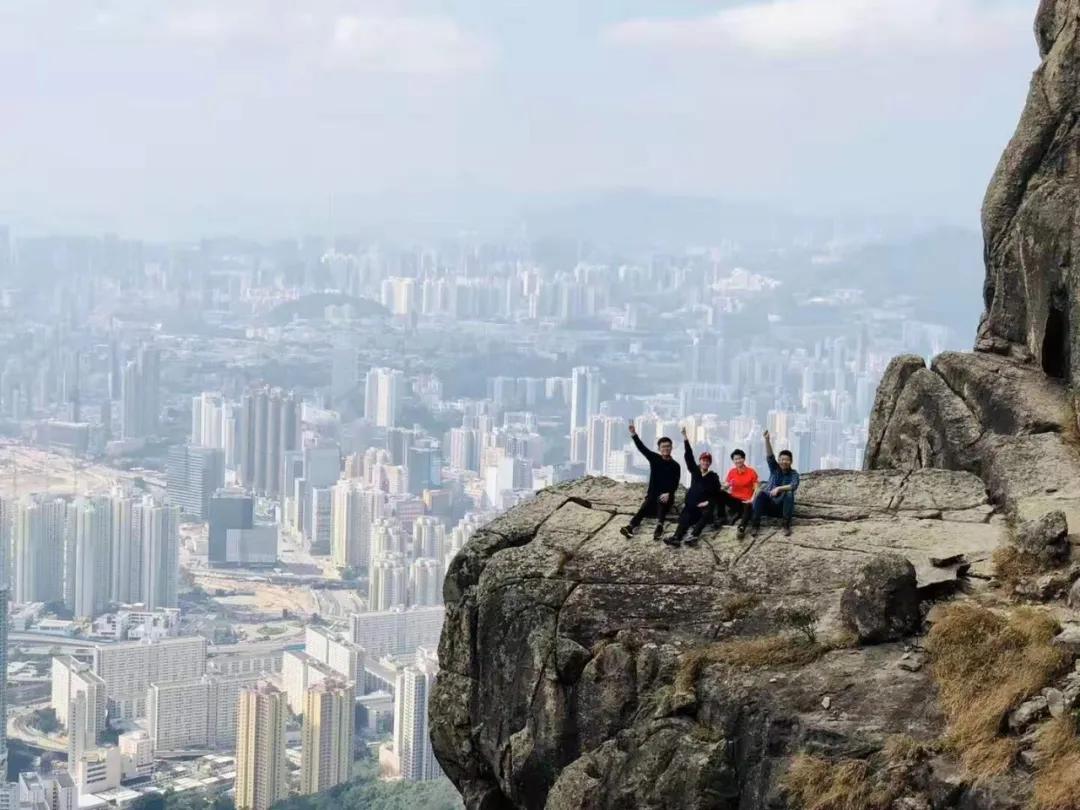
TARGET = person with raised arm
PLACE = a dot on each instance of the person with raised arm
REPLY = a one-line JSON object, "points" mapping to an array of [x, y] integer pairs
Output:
{"points": [[778, 497], [664, 475], [702, 498]]}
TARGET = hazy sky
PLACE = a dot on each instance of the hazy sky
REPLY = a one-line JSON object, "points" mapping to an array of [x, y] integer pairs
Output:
{"points": [[154, 117]]}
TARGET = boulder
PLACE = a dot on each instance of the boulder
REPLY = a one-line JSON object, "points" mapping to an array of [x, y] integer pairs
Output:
{"points": [[882, 604], [1046, 539]]}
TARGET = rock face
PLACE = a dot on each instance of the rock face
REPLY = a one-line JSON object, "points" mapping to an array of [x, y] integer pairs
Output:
{"points": [[565, 653], [583, 670]]}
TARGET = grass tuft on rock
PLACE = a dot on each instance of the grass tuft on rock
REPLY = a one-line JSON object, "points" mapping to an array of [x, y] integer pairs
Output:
{"points": [[760, 652], [815, 783], [1057, 781], [1012, 566], [985, 664]]}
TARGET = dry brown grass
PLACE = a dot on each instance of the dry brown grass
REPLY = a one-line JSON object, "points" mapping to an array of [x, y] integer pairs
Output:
{"points": [[1012, 566], [760, 652], [902, 749], [1057, 782], [738, 606], [985, 664], [814, 783]]}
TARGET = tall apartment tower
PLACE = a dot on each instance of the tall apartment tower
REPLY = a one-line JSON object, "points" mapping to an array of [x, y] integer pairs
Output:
{"points": [[326, 758], [270, 426], [260, 748], [38, 547], [160, 553]]}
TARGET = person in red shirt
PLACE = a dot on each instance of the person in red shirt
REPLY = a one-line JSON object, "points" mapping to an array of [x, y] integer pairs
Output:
{"points": [[739, 489]]}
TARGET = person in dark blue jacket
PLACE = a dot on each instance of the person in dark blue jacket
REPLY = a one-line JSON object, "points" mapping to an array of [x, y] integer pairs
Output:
{"points": [[778, 497], [702, 498], [664, 475]]}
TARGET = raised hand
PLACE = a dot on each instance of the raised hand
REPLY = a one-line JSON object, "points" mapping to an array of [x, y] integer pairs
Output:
{"points": [[633, 430], [683, 429], [766, 435]]}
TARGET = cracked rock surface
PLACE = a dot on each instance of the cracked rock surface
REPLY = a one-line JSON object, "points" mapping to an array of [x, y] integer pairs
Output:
{"points": [[564, 640]]}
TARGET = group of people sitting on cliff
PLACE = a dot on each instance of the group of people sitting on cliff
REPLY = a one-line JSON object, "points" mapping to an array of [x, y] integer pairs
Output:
{"points": [[708, 500]]}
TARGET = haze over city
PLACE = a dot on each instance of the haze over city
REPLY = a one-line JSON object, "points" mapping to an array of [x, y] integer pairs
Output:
{"points": [[181, 119], [310, 312]]}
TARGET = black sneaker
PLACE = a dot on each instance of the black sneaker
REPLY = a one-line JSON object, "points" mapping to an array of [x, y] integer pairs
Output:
{"points": [[674, 541], [627, 532], [693, 541], [754, 529], [787, 530], [741, 530]]}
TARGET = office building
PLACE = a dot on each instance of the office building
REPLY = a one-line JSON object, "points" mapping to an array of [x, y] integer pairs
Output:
{"points": [[261, 778], [327, 735], [255, 546], [584, 404], [382, 396], [129, 668], [321, 515], [228, 510], [193, 475]]}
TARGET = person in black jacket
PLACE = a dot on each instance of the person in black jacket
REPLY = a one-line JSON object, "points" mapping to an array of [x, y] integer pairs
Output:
{"points": [[664, 475], [702, 498]]}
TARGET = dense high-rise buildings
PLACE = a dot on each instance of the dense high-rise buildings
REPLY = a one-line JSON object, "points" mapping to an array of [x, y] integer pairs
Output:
{"points": [[125, 574], [269, 426], [193, 475], [397, 631], [38, 550], [382, 396], [327, 735], [260, 748]]}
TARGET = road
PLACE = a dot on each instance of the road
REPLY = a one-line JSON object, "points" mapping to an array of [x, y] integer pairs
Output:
{"points": [[18, 728]]}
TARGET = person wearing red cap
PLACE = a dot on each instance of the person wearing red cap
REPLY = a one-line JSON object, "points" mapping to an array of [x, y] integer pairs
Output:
{"points": [[701, 497]]}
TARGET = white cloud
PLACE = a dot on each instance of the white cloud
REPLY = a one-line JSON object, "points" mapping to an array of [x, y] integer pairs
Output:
{"points": [[373, 36], [807, 27], [411, 45]]}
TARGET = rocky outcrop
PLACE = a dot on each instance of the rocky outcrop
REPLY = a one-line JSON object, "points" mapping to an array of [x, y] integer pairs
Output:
{"points": [[575, 663], [583, 670]]}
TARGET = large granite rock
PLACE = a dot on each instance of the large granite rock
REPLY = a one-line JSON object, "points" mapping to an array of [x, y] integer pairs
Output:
{"points": [[582, 670], [566, 646]]}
